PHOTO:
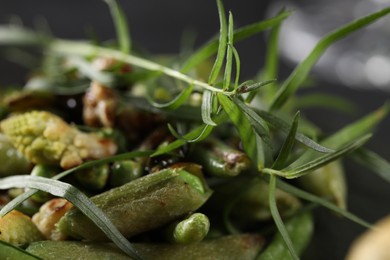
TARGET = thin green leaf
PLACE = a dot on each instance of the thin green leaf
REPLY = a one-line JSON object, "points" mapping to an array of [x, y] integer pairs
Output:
{"points": [[325, 203], [244, 88], [259, 125], [300, 73], [288, 144], [22, 197], [207, 50], [229, 54], [323, 160], [278, 220], [322, 100], [347, 134], [238, 67], [79, 199], [373, 161], [196, 135], [177, 101], [207, 107], [285, 128], [242, 124], [10, 252], [121, 27], [221, 46]]}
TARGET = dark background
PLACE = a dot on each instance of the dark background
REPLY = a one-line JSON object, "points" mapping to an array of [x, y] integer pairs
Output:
{"points": [[157, 26]]}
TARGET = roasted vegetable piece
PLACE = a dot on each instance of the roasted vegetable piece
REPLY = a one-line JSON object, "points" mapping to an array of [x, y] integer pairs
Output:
{"points": [[12, 161], [48, 216], [300, 230], [192, 229], [45, 138], [328, 182], [18, 229], [141, 205], [243, 247]]}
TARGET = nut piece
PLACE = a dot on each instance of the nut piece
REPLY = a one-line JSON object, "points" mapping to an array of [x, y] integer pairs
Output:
{"points": [[374, 244], [18, 229], [48, 216]]}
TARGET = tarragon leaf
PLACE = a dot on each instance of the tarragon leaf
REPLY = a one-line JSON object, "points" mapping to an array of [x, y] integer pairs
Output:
{"points": [[122, 29], [278, 220], [222, 44], [373, 161], [207, 107], [196, 135], [323, 202], [255, 120], [207, 50], [281, 125], [288, 144], [310, 166], [229, 54], [242, 124]]}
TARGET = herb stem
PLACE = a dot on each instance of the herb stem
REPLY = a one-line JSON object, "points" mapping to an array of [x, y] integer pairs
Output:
{"points": [[83, 48]]}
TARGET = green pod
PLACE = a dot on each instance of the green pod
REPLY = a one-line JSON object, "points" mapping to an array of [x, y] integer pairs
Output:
{"points": [[219, 159], [192, 229], [125, 171], [10, 252], [12, 161], [300, 230], [141, 205], [94, 179], [47, 171], [243, 247], [328, 182]]}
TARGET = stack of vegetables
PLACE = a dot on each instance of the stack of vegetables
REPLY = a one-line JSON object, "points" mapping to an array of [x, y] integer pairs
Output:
{"points": [[110, 154]]}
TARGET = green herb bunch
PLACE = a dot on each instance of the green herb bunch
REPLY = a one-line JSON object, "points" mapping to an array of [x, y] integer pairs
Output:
{"points": [[243, 140]]}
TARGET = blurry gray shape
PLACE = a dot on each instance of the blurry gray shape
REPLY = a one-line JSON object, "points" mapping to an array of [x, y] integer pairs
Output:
{"points": [[361, 60]]}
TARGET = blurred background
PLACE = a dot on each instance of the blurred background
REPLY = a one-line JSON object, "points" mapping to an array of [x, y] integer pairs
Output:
{"points": [[357, 68]]}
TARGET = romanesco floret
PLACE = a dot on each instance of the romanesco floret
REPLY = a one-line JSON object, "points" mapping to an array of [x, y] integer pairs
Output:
{"points": [[45, 138]]}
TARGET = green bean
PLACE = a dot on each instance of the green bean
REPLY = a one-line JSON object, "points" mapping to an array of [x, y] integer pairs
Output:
{"points": [[141, 205], [300, 230], [189, 230], [243, 247], [94, 179], [219, 159], [125, 171]]}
